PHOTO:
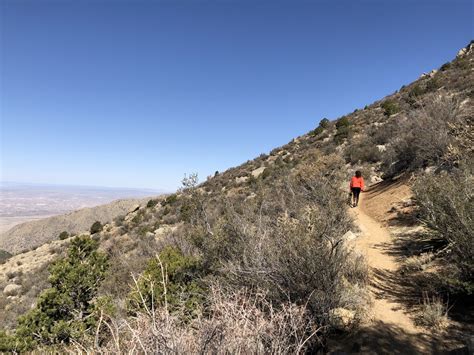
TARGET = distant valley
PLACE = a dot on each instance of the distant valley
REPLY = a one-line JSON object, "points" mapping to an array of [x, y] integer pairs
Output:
{"points": [[21, 203]]}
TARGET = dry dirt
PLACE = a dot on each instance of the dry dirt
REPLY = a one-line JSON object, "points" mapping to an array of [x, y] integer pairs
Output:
{"points": [[391, 327], [374, 241]]}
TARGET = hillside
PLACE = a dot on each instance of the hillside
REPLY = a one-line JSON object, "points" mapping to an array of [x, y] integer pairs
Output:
{"points": [[271, 250], [30, 235]]}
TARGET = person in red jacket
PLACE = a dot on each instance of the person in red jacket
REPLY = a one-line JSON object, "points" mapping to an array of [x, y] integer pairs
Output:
{"points": [[357, 185]]}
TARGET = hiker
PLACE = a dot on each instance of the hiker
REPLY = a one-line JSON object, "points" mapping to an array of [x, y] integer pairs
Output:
{"points": [[357, 185]]}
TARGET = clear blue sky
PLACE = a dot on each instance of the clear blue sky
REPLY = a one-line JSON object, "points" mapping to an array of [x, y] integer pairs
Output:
{"points": [[137, 93]]}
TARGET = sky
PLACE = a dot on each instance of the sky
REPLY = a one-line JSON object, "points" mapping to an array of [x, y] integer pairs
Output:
{"points": [[138, 93]]}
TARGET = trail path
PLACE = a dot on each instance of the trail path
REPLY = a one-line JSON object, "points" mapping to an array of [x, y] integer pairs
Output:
{"points": [[374, 242], [390, 329]]}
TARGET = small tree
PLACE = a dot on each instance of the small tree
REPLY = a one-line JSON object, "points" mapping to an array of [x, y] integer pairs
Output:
{"points": [[324, 123], [390, 108], [63, 235], [172, 280], [66, 310], [317, 131], [96, 227], [152, 203], [343, 122]]}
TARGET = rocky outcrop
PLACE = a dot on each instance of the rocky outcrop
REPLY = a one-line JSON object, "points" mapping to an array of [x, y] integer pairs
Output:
{"points": [[11, 290]]}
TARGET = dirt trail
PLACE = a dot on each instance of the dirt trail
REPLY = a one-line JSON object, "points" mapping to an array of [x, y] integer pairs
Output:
{"points": [[390, 329], [374, 241]]}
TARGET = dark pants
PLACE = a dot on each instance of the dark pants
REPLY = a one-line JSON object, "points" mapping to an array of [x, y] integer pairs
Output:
{"points": [[355, 194]]}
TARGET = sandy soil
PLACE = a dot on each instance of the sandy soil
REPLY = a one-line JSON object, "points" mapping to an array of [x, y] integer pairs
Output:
{"points": [[375, 242], [391, 327]]}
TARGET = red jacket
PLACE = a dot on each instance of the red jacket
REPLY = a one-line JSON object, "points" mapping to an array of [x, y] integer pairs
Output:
{"points": [[357, 182]]}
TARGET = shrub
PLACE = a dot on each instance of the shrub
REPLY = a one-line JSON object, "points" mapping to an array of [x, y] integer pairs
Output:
{"points": [[236, 322], [424, 137], [416, 92], [66, 310], [390, 108], [63, 235], [445, 66], [363, 150], [324, 123], [432, 85], [179, 273], [317, 131], [384, 134], [433, 313], [342, 132], [4, 256], [171, 199], [343, 122], [119, 220], [96, 227], [287, 240], [446, 205], [151, 203]]}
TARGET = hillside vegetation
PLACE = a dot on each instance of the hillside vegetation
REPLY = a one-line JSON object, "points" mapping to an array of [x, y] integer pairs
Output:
{"points": [[256, 259]]}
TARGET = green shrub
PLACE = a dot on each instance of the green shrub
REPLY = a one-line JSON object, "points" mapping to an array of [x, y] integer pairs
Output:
{"points": [[445, 66], [66, 310], [151, 203], [317, 131], [10, 343], [63, 235], [179, 274], [324, 123], [446, 203], [4, 256], [343, 122], [416, 92], [286, 241], [433, 85], [96, 227], [171, 199], [390, 108], [342, 133]]}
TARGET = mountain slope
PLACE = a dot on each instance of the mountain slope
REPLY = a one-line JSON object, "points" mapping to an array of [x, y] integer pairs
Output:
{"points": [[31, 235], [278, 223]]}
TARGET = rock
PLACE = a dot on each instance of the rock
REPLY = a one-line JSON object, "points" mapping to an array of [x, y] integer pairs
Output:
{"points": [[11, 290], [251, 196], [466, 50], [349, 236], [257, 172], [164, 229], [272, 158], [430, 74], [375, 179], [242, 179], [130, 216], [430, 169], [341, 318], [134, 208]]}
